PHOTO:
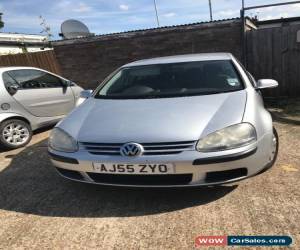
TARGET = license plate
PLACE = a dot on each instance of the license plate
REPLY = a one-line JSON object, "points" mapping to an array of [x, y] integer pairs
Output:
{"points": [[110, 168]]}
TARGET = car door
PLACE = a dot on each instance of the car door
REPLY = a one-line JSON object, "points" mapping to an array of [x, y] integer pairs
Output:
{"points": [[41, 93]]}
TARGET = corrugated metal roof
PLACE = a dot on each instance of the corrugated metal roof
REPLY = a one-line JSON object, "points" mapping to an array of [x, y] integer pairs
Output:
{"points": [[152, 29], [279, 20], [25, 34]]}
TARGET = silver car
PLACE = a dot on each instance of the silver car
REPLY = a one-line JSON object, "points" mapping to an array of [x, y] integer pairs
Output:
{"points": [[31, 98], [185, 120]]}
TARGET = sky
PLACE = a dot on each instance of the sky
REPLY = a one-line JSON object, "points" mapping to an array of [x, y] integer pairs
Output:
{"points": [[109, 16]]}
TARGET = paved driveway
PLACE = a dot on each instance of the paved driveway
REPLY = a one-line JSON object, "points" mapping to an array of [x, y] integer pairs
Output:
{"points": [[38, 209]]}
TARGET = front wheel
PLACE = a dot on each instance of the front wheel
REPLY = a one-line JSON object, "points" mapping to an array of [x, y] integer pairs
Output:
{"points": [[274, 152], [15, 133], [275, 147]]}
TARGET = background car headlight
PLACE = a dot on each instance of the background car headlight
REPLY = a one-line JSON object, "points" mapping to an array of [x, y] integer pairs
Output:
{"points": [[228, 138], [61, 141]]}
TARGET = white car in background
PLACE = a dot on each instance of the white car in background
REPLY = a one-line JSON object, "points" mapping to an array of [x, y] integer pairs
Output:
{"points": [[31, 98]]}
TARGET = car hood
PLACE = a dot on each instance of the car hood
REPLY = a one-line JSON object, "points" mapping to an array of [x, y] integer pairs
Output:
{"points": [[154, 120]]}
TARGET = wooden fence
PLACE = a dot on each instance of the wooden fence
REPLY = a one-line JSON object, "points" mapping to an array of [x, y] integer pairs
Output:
{"points": [[275, 53], [44, 59], [270, 53]]}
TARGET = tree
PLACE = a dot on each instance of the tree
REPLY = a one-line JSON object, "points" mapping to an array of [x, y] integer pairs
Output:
{"points": [[1, 22], [46, 28]]}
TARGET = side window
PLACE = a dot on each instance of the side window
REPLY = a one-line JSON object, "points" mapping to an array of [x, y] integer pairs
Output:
{"points": [[8, 80], [50, 81], [32, 79]]}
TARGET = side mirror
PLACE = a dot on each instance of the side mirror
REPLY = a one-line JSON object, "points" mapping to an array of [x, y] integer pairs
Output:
{"points": [[12, 88], [86, 93], [266, 84], [67, 83]]}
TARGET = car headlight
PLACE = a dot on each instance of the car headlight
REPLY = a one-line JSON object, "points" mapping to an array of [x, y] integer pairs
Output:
{"points": [[228, 138], [61, 141]]}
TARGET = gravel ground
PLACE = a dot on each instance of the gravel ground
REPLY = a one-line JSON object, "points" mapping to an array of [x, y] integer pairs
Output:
{"points": [[40, 210]]}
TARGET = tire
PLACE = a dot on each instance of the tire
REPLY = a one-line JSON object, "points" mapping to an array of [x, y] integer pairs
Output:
{"points": [[15, 133], [271, 163], [277, 146]]}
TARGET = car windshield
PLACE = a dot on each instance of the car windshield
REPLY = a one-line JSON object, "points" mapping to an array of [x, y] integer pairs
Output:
{"points": [[172, 80]]}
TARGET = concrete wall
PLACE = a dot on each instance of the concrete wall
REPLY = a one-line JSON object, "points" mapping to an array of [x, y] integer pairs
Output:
{"points": [[87, 61]]}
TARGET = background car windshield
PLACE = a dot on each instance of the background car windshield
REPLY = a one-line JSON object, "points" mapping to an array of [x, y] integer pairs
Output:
{"points": [[172, 80]]}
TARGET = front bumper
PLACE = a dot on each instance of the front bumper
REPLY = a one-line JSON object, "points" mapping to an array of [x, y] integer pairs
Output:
{"points": [[192, 168]]}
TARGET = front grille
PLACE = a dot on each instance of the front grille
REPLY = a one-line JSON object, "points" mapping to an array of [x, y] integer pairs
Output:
{"points": [[160, 148], [161, 180]]}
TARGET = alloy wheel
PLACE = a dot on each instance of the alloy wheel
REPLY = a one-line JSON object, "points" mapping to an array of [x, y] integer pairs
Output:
{"points": [[15, 134]]}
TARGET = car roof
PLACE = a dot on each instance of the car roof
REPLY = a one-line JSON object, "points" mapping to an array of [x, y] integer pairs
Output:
{"points": [[17, 67], [6, 68], [182, 58]]}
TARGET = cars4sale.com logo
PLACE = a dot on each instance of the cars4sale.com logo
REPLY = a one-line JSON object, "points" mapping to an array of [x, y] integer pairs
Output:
{"points": [[243, 241]]}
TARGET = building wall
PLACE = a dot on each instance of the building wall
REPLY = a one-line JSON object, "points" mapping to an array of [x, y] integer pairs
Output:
{"points": [[18, 37], [14, 43], [8, 49], [88, 61]]}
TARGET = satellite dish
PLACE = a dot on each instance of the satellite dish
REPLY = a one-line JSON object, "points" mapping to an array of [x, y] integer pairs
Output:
{"points": [[74, 29]]}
